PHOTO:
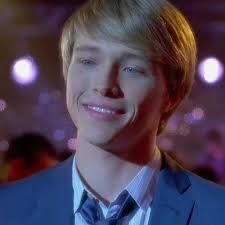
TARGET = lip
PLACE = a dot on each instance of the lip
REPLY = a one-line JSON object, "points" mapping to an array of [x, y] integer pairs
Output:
{"points": [[103, 116]]}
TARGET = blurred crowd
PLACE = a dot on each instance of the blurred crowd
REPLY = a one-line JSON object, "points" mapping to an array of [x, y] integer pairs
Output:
{"points": [[209, 163], [30, 153], [212, 160]]}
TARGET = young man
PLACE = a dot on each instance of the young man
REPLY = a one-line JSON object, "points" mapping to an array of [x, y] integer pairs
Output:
{"points": [[127, 64]]}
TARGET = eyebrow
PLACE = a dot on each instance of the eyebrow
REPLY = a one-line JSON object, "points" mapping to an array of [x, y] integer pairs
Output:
{"points": [[86, 48], [129, 55], [125, 55]]}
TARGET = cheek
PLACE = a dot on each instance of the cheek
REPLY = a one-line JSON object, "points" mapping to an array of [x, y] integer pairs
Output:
{"points": [[146, 97], [77, 84], [139, 90]]}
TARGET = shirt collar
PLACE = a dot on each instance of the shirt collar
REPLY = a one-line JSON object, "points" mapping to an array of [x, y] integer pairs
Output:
{"points": [[141, 187], [78, 187]]}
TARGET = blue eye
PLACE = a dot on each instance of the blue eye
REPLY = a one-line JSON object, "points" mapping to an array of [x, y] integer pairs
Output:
{"points": [[133, 70], [87, 62], [130, 70]]}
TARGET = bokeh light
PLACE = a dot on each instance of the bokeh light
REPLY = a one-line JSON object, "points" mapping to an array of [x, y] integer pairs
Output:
{"points": [[24, 70], [172, 125], [188, 118], [59, 135], [184, 130], [3, 105], [198, 114], [211, 70], [4, 145], [71, 144]]}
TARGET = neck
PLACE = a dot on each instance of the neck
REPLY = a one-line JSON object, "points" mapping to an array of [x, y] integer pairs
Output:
{"points": [[106, 174]]}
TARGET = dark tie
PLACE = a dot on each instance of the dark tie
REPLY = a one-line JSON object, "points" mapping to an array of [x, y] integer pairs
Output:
{"points": [[92, 213]]}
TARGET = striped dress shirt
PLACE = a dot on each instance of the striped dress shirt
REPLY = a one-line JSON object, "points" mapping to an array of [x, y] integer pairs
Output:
{"points": [[141, 188]]}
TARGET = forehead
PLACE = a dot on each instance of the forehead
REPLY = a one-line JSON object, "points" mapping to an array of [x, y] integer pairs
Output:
{"points": [[87, 44]]}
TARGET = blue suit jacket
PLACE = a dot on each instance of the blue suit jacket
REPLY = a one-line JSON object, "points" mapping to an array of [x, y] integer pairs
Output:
{"points": [[181, 198]]}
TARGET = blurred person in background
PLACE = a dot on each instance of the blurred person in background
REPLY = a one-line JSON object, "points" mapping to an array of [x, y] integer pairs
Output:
{"points": [[127, 65], [206, 172], [3, 165], [28, 154], [213, 155], [65, 154]]}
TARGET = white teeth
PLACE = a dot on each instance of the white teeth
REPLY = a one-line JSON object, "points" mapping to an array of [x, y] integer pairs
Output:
{"points": [[101, 110]]}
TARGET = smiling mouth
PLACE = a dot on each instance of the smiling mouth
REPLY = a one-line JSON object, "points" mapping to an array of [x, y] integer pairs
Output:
{"points": [[105, 110], [105, 113]]}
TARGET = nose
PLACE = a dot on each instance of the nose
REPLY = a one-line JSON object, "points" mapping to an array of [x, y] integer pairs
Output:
{"points": [[106, 83], [114, 92]]}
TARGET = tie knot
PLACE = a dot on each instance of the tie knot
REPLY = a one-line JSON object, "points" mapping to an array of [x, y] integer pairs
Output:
{"points": [[92, 213]]}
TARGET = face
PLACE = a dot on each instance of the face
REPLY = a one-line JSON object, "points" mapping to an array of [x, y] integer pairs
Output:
{"points": [[114, 94]]}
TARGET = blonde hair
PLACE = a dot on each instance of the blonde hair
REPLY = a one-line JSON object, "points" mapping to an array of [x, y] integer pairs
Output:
{"points": [[155, 27]]}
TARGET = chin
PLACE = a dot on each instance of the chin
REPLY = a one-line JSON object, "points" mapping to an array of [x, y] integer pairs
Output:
{"points": [[107, 136], [109, 143], [98, 139]]}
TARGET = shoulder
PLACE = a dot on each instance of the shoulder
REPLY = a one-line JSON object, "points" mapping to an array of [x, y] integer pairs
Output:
{"points": [[207, 195], [37, 180], [205, 188], [209, 199], [182, 175], [29, 188]]}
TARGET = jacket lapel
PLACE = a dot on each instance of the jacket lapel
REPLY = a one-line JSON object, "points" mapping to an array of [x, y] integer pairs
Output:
{"points": [[172, 203]]}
